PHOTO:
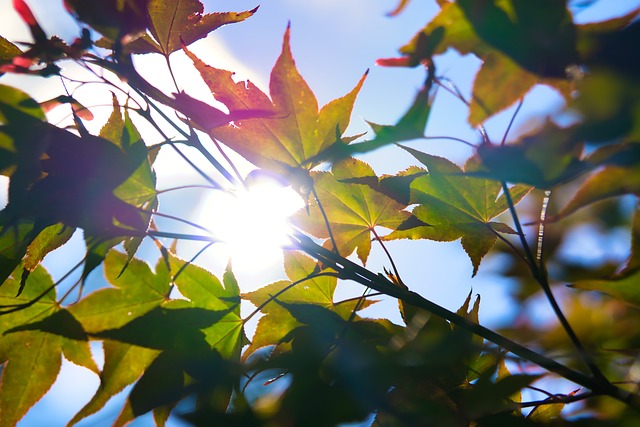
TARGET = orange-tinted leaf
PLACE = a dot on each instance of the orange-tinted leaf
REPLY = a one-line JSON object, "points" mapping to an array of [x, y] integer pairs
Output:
{"points": [[298, 131], [399, 8], [79, 110], [176, 21]]}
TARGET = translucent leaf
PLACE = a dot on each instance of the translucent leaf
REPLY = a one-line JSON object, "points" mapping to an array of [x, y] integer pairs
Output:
{"points": [[277, 321], [296, 134], [353, 210], [31, 347], [123, 364], [624, 287], [515, 83], [608, 182], [457, 206], [48, 240], [544, 158], [177, 21], [8, 50], [137, 291]]}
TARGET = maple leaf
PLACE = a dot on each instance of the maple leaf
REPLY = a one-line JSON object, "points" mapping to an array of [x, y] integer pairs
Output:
{"points": [[297, 134], [410, 126], [353, 210], [457, 206], [31, 344], [277, 321], [174, 334], [136, 291], [175, 22], [463, 26], [544, 158]]}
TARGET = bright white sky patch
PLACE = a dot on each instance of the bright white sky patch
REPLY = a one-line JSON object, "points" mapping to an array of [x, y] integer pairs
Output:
{"points": [[252, 223]]}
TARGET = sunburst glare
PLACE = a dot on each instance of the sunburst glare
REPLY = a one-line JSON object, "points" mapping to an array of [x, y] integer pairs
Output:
{"points": [[252, 223]]}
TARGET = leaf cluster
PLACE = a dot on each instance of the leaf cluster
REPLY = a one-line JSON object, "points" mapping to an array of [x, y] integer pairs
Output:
{"points": [[176, 332]]}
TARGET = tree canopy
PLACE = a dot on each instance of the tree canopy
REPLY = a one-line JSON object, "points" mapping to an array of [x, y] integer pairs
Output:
{"points": [[175, 331]]}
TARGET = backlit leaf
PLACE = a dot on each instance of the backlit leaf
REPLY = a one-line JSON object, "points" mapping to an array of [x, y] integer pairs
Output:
{"points": [[353, 210], [48, 240], [458, 206], [123, 364], [479, 29], [277, 321], [544, 158], [296, 134], [515, 83], [539, 38], [204, 289], [31, 353], [176, 21], [410, 126], [136, 291], [8, 50], [610, 181]]}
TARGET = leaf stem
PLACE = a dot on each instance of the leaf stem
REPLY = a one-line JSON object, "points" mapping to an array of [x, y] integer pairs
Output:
{"points": [[386, 251]]}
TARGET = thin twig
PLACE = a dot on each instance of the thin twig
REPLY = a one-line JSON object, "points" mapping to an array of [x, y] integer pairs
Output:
{"points": [[513, 118], [541, 277]]}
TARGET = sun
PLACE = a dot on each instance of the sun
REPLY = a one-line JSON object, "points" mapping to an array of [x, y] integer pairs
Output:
{"points": [[252, 223]]}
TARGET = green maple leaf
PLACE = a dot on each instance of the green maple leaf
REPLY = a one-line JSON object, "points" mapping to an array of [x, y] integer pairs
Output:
{"points": [[460, 26], [410, 126], [353, 210], [458, 206], [31, 345], [298, 133], [204, 289], [139, 189], [123, 365], [138, 318], [174, 22], [136, 291], [48, 240], [277, 321]]}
